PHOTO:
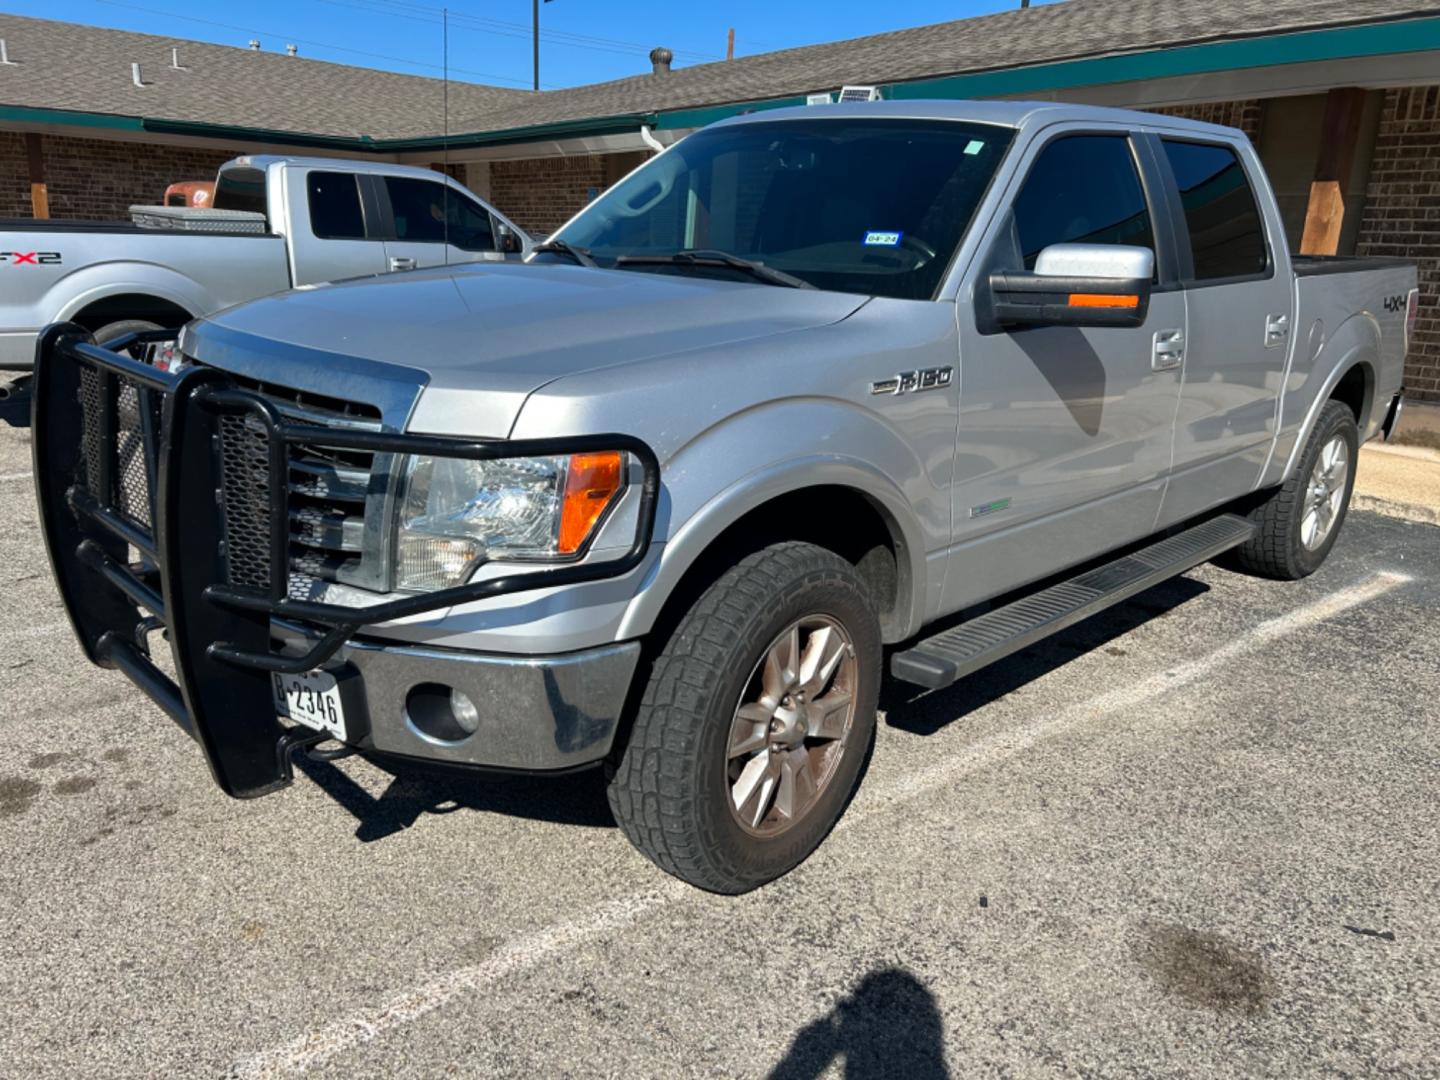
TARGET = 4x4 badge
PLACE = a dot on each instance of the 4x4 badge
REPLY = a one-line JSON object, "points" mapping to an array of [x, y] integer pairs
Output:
{"points": [[907, 381]]}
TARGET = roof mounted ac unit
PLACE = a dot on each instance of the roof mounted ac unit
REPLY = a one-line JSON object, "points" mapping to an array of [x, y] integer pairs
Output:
{"points": [[818, 99], [859, 93]]}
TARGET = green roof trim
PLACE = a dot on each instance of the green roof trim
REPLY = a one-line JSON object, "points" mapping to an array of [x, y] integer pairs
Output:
{"points": [[1379, 39], [24, 115]]}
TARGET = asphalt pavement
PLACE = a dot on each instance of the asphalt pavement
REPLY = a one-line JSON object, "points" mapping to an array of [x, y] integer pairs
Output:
{"points": [[1198, 835]]}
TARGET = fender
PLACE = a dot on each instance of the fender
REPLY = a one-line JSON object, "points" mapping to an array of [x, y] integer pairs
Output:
{"points": [[1355, 341], [744, 445], [102, 280]]}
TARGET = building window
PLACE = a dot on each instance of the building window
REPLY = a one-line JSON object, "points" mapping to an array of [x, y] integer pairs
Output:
{"points": [[1227, 239]]}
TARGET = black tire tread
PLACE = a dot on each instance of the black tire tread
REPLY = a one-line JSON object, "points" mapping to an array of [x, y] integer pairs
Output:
{"points": [[650, 794], [1273, 551]]}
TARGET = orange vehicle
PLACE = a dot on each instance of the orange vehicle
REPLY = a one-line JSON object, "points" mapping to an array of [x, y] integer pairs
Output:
{"points": [[198, 193]]}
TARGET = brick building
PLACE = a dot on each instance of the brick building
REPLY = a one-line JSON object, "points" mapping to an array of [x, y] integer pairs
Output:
{"points": [[1341, 97]]}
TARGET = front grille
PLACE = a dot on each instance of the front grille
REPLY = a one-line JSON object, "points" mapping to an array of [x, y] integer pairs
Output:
{"points": [[122, 443], [329, 494]]}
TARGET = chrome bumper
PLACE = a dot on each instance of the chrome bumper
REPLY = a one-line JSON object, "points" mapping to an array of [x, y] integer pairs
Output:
{"points": [[536, 713]]}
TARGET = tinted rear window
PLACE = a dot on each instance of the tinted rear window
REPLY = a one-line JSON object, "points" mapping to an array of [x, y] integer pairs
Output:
{"points": [[1227, 238], [238, 189], [335, 206]]}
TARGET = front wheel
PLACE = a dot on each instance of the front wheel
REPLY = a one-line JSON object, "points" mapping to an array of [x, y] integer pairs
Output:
{"points": [[755, 723]]}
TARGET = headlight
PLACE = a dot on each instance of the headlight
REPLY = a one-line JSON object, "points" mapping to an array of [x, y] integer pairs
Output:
{"points": [[457, 511]]}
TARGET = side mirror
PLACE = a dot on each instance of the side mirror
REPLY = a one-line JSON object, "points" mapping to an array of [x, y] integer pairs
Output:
{"points": [[509, 243], [1076, 285]]}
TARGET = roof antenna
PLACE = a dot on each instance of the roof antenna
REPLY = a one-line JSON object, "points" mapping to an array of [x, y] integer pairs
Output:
{"points": [[445, 122]]}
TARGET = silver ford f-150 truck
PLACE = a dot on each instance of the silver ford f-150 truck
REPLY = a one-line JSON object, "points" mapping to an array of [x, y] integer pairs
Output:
{"points": [[319, 219], [937, 377]]}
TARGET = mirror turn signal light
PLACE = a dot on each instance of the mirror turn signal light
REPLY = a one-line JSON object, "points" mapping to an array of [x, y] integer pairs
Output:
{"points": [[591, 484], [1103, 300]]}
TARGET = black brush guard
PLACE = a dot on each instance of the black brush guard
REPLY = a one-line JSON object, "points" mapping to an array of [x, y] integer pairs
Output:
{"points": [[126, 569]]}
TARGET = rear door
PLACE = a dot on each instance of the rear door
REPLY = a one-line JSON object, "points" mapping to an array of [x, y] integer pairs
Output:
{"points": [[433, 224], [1238, 292], [335, 227], [1065, 433]]}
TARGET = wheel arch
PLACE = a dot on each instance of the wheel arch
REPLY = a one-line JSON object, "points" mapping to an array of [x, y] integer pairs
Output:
{"points": [[842, 505], [1350, 379]]}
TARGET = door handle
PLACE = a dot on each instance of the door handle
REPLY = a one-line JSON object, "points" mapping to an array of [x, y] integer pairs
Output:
{"points": [[1168, 351], [401, 262], [1277, 329]]}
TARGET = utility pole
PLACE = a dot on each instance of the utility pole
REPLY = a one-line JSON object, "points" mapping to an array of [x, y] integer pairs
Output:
{"points": [[535, 24], [730, 45]]}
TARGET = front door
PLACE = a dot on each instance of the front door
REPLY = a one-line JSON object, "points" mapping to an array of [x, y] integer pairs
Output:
{"points": [[1064, 435], [433, 224]]}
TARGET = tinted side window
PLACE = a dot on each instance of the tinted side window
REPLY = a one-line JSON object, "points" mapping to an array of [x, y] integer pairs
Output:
{"points": [[428, 212], [1226, 235], [335, 206], [1082, 189], [419, 209]]}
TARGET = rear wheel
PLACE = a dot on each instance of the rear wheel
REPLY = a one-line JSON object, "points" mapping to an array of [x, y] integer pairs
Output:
{"points": [[755, 723], [1300, 520]]}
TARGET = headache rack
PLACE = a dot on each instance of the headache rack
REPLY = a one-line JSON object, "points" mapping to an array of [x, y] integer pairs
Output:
{"points": [[199, 505]]}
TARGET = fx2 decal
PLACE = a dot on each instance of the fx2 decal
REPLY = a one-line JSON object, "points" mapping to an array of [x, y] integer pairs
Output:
{"points": [[909, 381], [1395, 303], [31, 258]]}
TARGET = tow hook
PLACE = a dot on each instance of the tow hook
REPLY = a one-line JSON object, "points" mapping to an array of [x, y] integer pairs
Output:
{"points": [[15, 402]]}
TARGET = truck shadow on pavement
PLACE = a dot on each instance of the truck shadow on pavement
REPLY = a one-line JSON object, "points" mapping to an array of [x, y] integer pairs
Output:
{"points": [[924, 712], [579, 798], [888, 1026], [415, 790]]}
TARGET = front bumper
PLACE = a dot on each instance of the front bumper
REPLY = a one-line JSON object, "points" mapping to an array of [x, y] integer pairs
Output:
{"points": [[139, 542], [536, 713]]}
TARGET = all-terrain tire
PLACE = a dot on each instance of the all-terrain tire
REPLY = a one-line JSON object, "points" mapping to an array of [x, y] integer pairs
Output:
{"points": [[1277, 549], [670, 792]]}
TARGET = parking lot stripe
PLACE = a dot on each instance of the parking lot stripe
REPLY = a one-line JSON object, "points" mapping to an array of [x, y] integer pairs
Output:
{"points": [[320, 1045], [523, 953], [14, 476], [996, 748]]}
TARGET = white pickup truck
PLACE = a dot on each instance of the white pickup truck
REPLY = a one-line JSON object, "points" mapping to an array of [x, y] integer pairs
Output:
{"points": [[324, 219]]}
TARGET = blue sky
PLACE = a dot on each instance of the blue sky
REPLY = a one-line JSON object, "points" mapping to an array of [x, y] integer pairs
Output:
{"points": [[582, 41]]}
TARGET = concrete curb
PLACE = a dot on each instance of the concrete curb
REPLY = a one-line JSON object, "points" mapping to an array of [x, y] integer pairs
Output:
{"points": [[1425, 515]]}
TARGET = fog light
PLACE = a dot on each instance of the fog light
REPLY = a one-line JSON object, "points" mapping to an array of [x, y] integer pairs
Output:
{"points": [[441, 712], [466, 715]]}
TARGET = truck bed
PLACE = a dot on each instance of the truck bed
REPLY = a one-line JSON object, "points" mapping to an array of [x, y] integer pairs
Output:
{"points": [[1317, 265], [53, 226]]}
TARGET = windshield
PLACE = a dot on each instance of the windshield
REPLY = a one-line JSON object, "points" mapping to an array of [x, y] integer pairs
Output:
{"points": [[863, 206]]}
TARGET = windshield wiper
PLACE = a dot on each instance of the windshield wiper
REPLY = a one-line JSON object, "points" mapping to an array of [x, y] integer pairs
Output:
{"points": [[698, 257], [560, 247]]}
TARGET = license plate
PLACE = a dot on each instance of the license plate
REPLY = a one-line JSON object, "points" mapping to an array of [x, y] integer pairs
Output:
{"points": [[311, 698]]}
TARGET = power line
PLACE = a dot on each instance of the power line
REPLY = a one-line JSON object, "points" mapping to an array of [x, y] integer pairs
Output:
{"points": [[312, 42], [406, 9]]}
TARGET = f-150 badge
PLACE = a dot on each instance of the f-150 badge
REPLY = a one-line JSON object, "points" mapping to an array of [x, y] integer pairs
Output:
{"points": [[907, 381]]}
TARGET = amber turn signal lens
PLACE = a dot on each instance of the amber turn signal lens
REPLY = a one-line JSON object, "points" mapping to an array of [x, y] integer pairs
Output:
{"points": [[591, 482], [1103, 300]]}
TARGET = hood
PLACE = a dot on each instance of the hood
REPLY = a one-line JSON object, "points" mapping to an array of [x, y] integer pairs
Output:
{"points": [[494, 332]]}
